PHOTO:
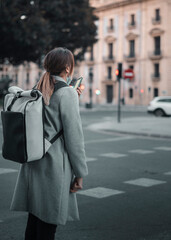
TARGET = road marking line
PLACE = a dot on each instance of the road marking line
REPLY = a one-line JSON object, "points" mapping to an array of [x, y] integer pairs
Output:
{"points": [[91, 159], [100, 192], [113, 155], [7, 170], [167, 173], [145, 182], [141, 151], [110, 139], [163, 148]]}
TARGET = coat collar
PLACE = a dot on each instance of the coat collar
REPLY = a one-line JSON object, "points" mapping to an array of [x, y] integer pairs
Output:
{"points": [[58, 78]]}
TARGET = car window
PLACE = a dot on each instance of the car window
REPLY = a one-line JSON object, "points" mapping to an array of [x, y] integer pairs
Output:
{"points": [[166, 100]]}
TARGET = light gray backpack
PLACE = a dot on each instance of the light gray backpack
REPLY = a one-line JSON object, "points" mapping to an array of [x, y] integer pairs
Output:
{"points": [[23, 125]]}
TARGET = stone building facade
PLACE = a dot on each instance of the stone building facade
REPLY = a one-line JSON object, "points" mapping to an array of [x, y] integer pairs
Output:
{"points": [[136, 33], [24, 75]]}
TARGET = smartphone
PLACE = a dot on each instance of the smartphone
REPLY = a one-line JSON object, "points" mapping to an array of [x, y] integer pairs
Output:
{"points": [[76, 82]]}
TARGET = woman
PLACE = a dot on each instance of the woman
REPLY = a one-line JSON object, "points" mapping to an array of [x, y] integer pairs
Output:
{"points": [[46, 188]]}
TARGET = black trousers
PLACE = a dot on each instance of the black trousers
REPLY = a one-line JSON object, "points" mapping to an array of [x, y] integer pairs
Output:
{"points": [[36, 229]]}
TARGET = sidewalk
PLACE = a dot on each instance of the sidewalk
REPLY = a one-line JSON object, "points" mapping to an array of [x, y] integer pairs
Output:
{"points": [[143, 126]]}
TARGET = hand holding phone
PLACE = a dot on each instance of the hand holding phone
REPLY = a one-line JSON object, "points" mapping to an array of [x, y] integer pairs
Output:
{"points": [[77, 82]]}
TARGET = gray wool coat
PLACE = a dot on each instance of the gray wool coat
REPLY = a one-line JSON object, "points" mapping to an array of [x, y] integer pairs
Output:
{"points": [[43, 186]]}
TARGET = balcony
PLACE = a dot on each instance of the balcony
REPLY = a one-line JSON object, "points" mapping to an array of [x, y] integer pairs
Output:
{"points": [[89, 61], [109, 80], [155, 77], [131, 25], [130, 58], [155, 55], [110, 29], [109, 59], [156, 21]]}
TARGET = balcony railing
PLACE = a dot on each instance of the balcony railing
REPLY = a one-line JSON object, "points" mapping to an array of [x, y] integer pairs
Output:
{"points": [[109, 58], [156, 20], [155, 55], [131, 25], [109, 78], [111, 29], [155, 77], [89, 61], [130, 58]]}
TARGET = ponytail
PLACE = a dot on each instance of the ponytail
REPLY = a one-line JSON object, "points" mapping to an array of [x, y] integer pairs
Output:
{"points": [[46, 87]]}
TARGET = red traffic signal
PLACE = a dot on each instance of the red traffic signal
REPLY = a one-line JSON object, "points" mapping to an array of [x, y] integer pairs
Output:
{"points": [[117, 72]]}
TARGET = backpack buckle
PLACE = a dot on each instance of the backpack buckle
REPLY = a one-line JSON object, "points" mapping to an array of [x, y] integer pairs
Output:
{"points": [[18, 94]]}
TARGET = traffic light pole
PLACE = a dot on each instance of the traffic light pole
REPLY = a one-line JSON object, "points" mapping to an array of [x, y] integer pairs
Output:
{"points": [[119, 100], [119, 76]]}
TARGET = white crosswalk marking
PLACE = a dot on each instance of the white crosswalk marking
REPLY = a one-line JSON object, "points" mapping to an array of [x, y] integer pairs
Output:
{"points": [[7, 170], [88, 159], [113, 155], [116, 139], [100, 192], [163, 148], [167, 173], [141, 151], [145, 182]]}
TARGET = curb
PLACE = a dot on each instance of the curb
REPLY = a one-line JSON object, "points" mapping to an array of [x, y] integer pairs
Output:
{"points": [[138, 133]]}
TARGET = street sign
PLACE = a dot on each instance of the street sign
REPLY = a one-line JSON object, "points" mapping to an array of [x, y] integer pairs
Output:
{"points": [[129, 73]]}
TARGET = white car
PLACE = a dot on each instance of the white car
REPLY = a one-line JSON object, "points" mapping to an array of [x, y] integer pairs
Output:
{"points": [[160, 106]]}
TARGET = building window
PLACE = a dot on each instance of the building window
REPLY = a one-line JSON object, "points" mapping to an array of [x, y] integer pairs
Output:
{"points": [[109, 76], [16, 78], [131, 67], [156, 70], [132, 48], [132, 19], [156, 92], [27, 78], [111, 24], [149, 89], [157, 14], [131, 93], [110, 50], [91, 54], [157, 45]]}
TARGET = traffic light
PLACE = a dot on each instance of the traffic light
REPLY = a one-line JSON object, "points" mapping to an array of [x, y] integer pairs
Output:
{"points": [[82, 86], [97, 92], [118, 71]]}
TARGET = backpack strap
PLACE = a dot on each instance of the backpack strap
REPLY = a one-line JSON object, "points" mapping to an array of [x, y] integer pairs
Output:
{"points": [[58, 85]]}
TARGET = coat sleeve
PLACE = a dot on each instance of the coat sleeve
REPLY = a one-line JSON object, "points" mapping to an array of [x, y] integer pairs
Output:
{"points": [[73, 133]]}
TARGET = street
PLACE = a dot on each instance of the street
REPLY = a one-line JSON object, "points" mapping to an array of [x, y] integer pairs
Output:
{"points": [[126, 196]]}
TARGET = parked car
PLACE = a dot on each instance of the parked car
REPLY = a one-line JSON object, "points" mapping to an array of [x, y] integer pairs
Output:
{"points": [[160, 106]]}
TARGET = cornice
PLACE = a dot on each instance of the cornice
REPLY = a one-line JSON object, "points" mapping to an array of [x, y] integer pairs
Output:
{"points": [[117, 5], [156, 32]]}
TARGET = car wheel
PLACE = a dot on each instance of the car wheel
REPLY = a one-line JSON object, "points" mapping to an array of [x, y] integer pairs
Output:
{"points": [[159, 113]]}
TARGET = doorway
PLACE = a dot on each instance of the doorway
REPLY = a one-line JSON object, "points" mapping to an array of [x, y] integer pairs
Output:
{"points": [[109, 93]]}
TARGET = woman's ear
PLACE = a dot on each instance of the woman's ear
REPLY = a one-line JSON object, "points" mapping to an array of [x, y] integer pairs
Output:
{"points": [[67, 69]]}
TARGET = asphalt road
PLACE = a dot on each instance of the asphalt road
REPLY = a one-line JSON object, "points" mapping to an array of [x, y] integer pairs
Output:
{"points": [[126, 196]]}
